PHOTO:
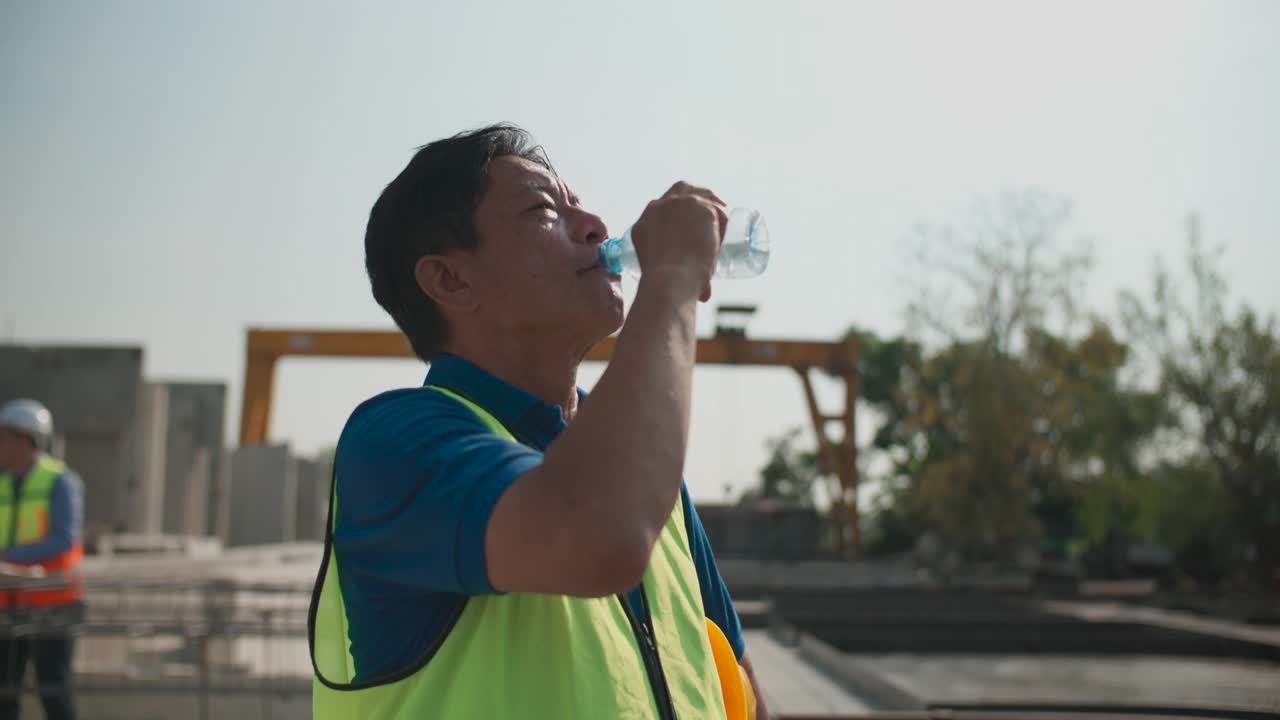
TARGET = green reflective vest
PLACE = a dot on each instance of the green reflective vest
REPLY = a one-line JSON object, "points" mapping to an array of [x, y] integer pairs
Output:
{"points": [[28, 522], [24, 520], [532, 656]]}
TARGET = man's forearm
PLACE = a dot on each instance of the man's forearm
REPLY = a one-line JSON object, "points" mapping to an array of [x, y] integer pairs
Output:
{"points": [[623, 455], [38, 551]]}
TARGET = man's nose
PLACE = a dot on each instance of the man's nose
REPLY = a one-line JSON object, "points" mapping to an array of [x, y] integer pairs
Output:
{"points": [[591, 228]]}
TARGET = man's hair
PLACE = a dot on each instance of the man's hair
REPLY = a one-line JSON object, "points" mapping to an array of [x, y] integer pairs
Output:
{"points": [[429, 209]]}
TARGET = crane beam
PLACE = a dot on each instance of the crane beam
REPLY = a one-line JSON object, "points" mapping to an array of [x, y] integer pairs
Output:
{"points": [[265, 347]]}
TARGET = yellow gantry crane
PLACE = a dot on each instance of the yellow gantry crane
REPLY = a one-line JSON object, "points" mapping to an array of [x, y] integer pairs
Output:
{"points": [[837, 456]]}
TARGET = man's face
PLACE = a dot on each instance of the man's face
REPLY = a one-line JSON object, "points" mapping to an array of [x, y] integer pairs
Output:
{"points": [[16, 450], [536, 266]]}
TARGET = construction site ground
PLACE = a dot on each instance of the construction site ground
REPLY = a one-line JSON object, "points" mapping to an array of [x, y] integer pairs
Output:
{"points": [[224, 636]]}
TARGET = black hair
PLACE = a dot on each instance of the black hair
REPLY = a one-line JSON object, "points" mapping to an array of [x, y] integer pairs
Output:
{"points": [[429, 209]]}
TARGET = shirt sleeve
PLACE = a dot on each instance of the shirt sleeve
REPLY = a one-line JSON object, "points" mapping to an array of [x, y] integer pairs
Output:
{"points": [[418, 475], [715, 596], [66, 513]]}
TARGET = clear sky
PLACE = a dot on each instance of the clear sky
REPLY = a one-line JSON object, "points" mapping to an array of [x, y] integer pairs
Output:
{"points": [[172, 173]]}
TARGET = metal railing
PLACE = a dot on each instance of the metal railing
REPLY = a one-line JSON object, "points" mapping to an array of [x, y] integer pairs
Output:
{"points": [[27, 633], [153, 649], [202, 649]]}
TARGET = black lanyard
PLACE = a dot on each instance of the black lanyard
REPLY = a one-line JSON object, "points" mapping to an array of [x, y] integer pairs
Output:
{"points": [[649, 653]]}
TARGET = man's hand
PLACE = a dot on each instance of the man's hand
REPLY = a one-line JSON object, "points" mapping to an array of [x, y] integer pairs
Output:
{"points": [[30, 571], [585, 521], [678, 235]]}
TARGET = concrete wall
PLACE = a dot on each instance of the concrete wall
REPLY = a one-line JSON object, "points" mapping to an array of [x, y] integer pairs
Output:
{"points": [[264, 495], [181, 458], [313, 499], [93, 393], [147, 505], [762, 532], [193, 456], [219, 509]]}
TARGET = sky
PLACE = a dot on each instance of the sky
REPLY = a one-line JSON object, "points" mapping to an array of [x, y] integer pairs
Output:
{"points": [[174, 173]]}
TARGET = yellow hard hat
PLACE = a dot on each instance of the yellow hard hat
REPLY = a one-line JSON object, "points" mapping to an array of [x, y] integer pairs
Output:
{"points": [[735, 686]]}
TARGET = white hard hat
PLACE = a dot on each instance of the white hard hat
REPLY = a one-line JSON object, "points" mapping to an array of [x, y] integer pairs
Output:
{"points": [[27, 417]]}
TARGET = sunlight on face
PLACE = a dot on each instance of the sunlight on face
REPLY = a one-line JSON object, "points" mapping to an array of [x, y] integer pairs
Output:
{"points": [[536, 265]]}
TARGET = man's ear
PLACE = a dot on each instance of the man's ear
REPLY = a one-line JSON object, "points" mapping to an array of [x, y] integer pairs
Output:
{"points": [[444, 280]]}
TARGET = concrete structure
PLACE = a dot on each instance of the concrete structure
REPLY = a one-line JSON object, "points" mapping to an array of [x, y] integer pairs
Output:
{"points": [[147, 509], [763, 531], [264, 495], [181, 488], [218, 522], [94, 394], [194, 484], [313, 499]]}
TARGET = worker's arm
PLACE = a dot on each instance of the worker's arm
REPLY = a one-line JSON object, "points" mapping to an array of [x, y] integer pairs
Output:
{"points": [[584, 522], [418, 474], [762, 712], [65, 518]]}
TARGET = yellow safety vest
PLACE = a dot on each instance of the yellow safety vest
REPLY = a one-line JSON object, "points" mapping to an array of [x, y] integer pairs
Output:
{"points": [[25, 521], [533, 656]]}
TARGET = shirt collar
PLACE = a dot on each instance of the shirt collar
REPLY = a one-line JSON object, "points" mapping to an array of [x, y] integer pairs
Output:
{"points": [[508, 403]]}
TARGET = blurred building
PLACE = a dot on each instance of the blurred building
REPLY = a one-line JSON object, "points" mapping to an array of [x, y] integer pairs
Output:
{"points": [[763, 530], [93, 393], [264, 495], [184, 486], [146, 514], [313, 499], [151, 455]]}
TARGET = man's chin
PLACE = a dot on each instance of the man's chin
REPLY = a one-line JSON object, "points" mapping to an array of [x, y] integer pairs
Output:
{"points": [[610, 320]]}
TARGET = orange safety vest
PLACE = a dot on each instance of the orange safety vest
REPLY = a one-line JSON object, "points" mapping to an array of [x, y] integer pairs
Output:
{"points": [[25, 520]]}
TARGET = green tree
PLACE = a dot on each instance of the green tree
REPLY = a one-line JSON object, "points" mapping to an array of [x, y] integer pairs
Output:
{"points": [[1221, 374], [888, 369], [789, 474], [974, 408], [995, 432]]}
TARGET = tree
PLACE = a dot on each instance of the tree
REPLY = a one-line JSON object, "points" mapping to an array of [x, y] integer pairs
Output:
{"points": [[973, 408], [1004, 273], [1020, 405], [1221, 374], [789, 474]]}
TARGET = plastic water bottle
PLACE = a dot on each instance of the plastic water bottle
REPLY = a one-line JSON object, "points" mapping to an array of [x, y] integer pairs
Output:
{"points": [[744, 252]]}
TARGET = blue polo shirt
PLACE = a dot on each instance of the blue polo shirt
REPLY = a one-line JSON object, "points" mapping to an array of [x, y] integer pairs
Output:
{"points": [[418, 476]]}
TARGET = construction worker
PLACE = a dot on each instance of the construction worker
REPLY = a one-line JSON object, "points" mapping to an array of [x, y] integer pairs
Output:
{"points": [[40, 531], [501, 544]]}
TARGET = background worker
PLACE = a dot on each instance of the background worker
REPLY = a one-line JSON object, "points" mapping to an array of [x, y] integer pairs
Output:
{"points": [[41, 521]]}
